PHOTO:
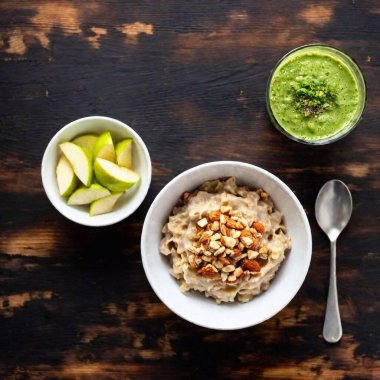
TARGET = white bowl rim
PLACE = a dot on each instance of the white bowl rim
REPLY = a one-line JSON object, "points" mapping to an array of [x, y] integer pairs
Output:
{"points": [[145, 188], [308, 250]]}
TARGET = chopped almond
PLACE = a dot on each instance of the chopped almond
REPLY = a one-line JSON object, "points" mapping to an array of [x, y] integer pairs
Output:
{"points": [[216, 236], [202, 223], [225, 209], [251, 265], [247, 241], [208, 271], [246, 233], [223, 229], [239, 225], [214, 245], [215, 226], [205, 239], [259, 227], [227, 241], [214, 216], [223, 219], [231, 223]]}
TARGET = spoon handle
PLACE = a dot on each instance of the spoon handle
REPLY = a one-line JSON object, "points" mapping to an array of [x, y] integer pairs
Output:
{"points": [[332, 328]]}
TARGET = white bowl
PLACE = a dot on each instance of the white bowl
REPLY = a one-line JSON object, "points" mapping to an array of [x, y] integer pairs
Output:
{"points": [[129, 202], [194, 306]]}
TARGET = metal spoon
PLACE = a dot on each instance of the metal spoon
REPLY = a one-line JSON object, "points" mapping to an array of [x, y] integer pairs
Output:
{"points": [[333, 210]]}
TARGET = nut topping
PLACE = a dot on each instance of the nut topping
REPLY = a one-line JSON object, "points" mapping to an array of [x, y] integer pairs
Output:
{"points": [[259, 227], [226, 246], [215, 226], [207, 259], [224, 261], [263, 250], [205, 239], [251, 265], [225, 209], [219, 251], [202, 223], [214, 245], [241, 256], [208, 271], [223, 219], [246, 233], [223, 229], [239, 226], [214, 216], [247, 241], [230, 223], [252, 254], [238, 272], [192, 249], [227, 241], [228, 268]]}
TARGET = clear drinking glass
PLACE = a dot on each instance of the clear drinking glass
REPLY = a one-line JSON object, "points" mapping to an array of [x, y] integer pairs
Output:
{"points": [[357, 74]]}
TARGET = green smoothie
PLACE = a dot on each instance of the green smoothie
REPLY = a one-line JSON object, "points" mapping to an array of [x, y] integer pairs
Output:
{"points": [[314, 94]]}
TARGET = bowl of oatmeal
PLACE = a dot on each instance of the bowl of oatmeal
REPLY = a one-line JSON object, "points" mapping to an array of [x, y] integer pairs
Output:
{"points": [[226, 245]]}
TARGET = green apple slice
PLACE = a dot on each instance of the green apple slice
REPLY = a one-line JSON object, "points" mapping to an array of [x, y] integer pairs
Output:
{"points": [[67, 181], [87, 195], [86, 141], [80, 160], [104, 147], [104, 205], [114, 177], [124, 153]]}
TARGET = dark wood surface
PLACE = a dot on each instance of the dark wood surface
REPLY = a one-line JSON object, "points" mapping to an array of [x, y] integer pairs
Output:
{"points": [[190, 78]]}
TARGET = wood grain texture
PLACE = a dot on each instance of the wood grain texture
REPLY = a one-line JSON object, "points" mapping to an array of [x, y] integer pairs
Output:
{"points": [[190, 77]]}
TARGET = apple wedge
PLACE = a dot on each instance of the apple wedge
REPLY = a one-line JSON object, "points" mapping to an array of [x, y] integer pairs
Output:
{"points": [[104, 205], [104, 147], [114, 177], [67, 181], [87, 195], [80, 160], [124, 153], [86, 141]]}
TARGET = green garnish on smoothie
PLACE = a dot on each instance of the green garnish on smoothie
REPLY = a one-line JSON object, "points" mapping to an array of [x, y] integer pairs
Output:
{"points": [[312, 98], [314, 94]]}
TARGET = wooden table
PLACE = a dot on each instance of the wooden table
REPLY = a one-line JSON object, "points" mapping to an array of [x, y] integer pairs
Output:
{"points": [[190, 78]]}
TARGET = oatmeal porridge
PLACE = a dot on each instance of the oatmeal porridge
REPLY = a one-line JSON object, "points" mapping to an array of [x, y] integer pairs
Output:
{"points": [[225, 241]]}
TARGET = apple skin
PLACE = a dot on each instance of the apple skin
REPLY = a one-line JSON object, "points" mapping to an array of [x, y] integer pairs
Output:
{"points": [[104, 147], [64, 169], [80, 160], [86, 141], [124, 153], [102, 170], [87, 195], [104, 205]]}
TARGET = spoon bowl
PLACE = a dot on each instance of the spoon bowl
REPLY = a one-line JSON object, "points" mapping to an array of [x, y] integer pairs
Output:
{"points": [[333, 208]]}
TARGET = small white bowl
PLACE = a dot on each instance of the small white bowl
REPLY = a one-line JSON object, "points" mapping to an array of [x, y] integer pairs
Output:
{"points": [[194, 306], [129, 202]]}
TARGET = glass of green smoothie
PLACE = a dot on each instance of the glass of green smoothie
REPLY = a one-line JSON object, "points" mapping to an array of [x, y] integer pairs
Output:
{"points": [[316, 94]]}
